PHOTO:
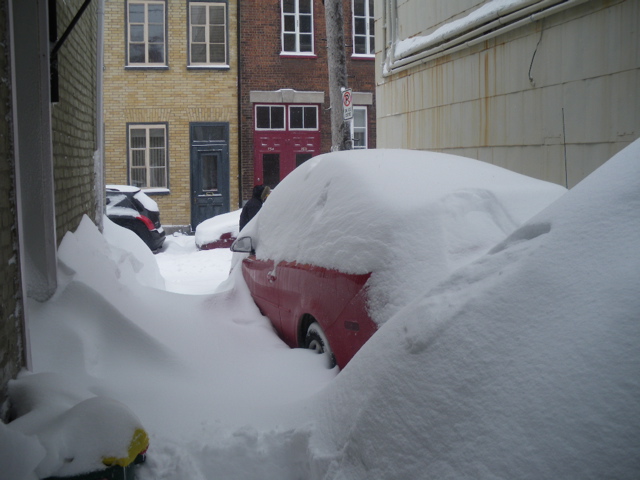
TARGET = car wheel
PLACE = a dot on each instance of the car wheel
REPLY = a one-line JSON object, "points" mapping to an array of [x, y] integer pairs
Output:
{"points": [[316, 340]]}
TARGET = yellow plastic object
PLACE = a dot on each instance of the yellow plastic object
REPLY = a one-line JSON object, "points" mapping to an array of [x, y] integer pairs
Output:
{"points": [[139, 444]]}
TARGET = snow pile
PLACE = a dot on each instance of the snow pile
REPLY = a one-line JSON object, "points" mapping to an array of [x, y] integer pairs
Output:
{"points": [[524, 364], [204, 375], [76, 429], [409, 217]]}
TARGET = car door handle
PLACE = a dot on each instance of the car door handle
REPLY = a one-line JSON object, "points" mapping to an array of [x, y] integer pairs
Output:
{"points": [[271, 277]]}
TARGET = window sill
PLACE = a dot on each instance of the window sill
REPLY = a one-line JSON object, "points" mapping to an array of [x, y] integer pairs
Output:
{"points": [[208, 67], [297, 55], [146, 67]]}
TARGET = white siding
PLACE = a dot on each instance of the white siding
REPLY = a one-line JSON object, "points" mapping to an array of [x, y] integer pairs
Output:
{"points": [[570, 82]]}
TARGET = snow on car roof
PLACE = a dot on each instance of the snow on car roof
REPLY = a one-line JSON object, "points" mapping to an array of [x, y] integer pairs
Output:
{"points": [[410, 217]]}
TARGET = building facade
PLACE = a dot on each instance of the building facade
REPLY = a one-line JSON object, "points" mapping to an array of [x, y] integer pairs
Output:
{"points": [[547, 88], [284, 84], [50, 159], [171, 105]]}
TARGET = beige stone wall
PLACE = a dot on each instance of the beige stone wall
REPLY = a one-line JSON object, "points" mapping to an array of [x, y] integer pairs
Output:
{"points": [[175, 95], [73, 118]]}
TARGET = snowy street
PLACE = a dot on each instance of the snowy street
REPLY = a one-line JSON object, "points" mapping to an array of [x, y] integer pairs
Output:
{"points": [[521, 364]]}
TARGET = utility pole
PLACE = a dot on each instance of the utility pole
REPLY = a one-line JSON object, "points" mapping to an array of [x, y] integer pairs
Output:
{"points": [[337, 66]]}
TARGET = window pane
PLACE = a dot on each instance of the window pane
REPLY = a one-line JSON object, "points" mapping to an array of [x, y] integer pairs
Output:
{"points": [[216, 15], [295, 120], [156, 137], [137, 158], [156, 157], [310, 120], [277, 117], [271, 169], [136, 33], [210, 172], [136, 53], [360, 26], [305, 24], [138, 138], [372, 45], [198, 34], [138, 177], [136, 13], [156, 53], [218, 54], [156, 33], [262, 117], [359, 139], [305, 43], [289, 23], [156, 14], [198, 15], [359, 117], [289, 43], [217, 35], [358, 7], [371, 8], [158, 177], [208, 133], [360, 45], [305, 6], [289, 6], [198, 53]]}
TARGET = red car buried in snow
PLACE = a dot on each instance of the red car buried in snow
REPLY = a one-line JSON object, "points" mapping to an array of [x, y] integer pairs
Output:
{"points": [[349, 238]]}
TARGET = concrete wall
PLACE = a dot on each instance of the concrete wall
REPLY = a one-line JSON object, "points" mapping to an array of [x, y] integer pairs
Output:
{"points": [[175, 95], [11, 312], [553, 99]]}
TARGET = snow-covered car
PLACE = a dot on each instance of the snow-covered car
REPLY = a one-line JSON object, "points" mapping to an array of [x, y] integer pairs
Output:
{"points": [[349, 238], [131, 208], [218, 232]]}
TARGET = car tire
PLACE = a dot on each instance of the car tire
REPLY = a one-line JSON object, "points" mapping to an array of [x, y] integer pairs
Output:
{"points": [[316, 340]]}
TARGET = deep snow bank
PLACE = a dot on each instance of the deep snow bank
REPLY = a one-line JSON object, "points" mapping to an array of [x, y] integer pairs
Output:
{"points": [[524, 364]]}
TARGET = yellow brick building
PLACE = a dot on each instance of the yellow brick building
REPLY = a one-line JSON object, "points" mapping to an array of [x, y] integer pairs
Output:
{"points": [[171, 104]]}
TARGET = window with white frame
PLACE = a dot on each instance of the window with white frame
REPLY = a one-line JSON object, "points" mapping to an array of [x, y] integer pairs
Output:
{"points": [[146, 29], [148, 155], [363, 28], [297, 26], [270, 117], [303, 117], [207, 33], [359, 127]]}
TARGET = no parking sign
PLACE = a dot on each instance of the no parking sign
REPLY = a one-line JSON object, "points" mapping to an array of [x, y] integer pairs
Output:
{"points": [[347, 103]]}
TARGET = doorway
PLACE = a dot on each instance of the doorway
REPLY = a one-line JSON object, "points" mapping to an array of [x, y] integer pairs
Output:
{"points": [[209, 171]]}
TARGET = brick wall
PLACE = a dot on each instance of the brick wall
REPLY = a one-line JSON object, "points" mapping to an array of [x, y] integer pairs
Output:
{"points": [[74, 118], [175, 95], [11, 323], [263, 68]]}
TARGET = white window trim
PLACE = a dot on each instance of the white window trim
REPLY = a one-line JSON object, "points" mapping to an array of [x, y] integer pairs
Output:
{"points": [[317, 127], [255, 121], [146, 63], [369, 34], [297, 52], [147, 164], [224, 64], [366, 128]]}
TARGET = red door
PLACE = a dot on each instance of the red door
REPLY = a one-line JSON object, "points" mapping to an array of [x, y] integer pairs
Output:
{"points": [[281, 147]]}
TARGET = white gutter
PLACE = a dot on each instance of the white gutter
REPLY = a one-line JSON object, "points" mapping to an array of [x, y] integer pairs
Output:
{"points": [[500, 26]]}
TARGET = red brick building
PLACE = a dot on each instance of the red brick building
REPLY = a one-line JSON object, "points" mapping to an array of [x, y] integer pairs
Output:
{"points": [[284, 84]]}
